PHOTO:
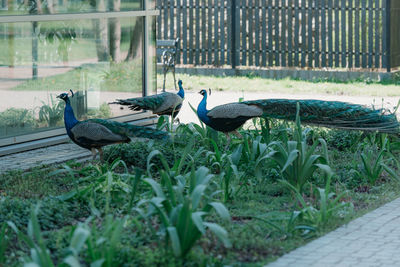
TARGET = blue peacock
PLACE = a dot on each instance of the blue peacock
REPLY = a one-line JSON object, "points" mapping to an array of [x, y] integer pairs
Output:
{"points": [[161, 104], [334, 114], [93, 134]]}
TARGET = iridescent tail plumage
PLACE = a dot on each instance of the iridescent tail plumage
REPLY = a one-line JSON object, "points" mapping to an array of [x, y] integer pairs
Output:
{"points": [[333, 114]]}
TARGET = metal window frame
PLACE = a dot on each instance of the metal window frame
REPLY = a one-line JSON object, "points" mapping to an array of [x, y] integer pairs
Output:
{"points": [[45, 138]]}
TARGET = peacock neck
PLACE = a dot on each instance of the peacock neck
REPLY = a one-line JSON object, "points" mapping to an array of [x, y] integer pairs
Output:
{"points": [[181, 92], [202, 110], [69, 117]]}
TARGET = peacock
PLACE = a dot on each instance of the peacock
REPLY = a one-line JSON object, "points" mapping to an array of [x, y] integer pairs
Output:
{"points": [[93, 134], [161, 104], [334, 114]]}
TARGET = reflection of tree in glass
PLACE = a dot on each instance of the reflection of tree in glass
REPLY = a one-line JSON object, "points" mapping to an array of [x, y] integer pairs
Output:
{"points": [[65, 36]]}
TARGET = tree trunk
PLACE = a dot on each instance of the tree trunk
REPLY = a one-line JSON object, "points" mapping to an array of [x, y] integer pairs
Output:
{"points": [[136, 44], [100, 27], [115, 32]]}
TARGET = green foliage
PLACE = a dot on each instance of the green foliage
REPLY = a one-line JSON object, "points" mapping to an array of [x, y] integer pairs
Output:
{"points": [[326, 208], [52, 112], [297, 160], [182, 208], [17, 117], [103, 112], [4, 242], [123, 75], [373, 164]]}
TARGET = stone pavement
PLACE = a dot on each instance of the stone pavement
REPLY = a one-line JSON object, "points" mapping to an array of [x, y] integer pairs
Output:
{"points": [[371, 240], [47, 155]]}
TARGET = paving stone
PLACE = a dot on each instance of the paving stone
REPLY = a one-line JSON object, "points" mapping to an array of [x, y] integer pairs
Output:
{"points": [[43, 156], [371, 240]]}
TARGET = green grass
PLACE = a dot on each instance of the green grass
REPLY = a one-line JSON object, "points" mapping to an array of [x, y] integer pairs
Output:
{"points": [[286, 86], [107, 190]]}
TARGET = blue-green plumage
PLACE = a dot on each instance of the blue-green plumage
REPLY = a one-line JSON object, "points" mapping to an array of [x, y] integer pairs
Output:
{"points": [[334, 114], [96, 133], [161, 104]]}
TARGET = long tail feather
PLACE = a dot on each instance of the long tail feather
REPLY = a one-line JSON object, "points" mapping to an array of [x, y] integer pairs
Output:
{"points": [[332, 114], [133, 130]]}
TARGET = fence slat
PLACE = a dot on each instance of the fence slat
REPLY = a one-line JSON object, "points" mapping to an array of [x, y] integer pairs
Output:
{"points": [[330, 33], [310, 34], [257, 32], [171, 20], [343, 32], [191, 32], [337, 34], [244, 32], [283, 33], [264, 33], [178, 29], [203, 32], [250, 32], [303, 34], [364, 33], [296, 32], [197, 34], [184, 32], [222, 32], [270, 48], [159, 22], [350, 37], [377, 35], [276, 25], [316, 35], [384, 34], [229, 32], [357, 34], [371, 50], [323, 34], [216, 34], [290, 33], [209, 33]]}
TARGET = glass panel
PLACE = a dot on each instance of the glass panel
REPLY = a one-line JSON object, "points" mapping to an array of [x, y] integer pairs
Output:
{"points": [[18, 7], [40, 60], [152, 61]]}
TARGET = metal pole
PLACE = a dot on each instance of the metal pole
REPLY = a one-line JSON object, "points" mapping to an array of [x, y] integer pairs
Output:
{"points": [[388, 32], [233, 33]]}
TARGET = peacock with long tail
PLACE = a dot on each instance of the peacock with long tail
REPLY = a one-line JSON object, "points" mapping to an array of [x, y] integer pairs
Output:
{"points": [[161, 104], [93, 134], [334, 114]]}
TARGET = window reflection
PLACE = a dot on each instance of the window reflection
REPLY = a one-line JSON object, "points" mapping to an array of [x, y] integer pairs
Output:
{"points": [[40, 60], [19, 7]]}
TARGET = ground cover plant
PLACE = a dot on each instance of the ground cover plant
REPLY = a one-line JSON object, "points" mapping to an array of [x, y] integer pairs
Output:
{"points": [[192, 202]]}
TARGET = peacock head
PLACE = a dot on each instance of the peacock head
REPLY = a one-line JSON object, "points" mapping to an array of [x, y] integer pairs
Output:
{"points": [[64, 96], [203, 92], [180, 82]]}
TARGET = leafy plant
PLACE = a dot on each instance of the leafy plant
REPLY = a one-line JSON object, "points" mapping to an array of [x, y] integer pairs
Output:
{"points": [[52, 112], [39, 253], [102, 244], [4, 242], [297, 160], [17, 117], [325, 210], [373, 164], [182, 209], [103, 181]]}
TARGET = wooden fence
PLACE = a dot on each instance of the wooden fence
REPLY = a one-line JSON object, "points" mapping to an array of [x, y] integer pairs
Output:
{"points": [[284, 33]]}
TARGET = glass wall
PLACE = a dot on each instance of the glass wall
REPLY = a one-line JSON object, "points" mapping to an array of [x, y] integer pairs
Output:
{"points": [[24, 7], [99, 58]]}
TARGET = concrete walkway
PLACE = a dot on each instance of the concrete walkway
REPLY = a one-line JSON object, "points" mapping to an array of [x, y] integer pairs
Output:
{"points": [[48, 155], [371, 240]]}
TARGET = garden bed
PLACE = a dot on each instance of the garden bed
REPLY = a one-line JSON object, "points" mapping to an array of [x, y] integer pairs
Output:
{"points": [[192, 202]]}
